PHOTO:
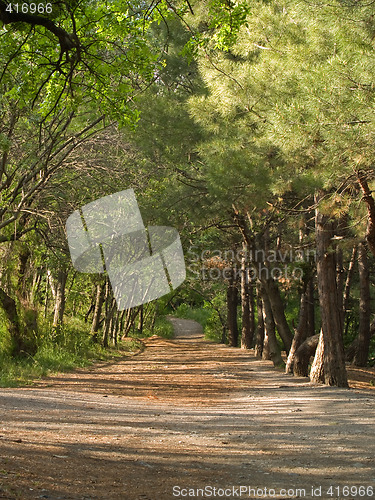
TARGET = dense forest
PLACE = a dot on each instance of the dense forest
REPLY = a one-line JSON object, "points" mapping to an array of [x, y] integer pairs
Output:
{"points": [[246, 125]]}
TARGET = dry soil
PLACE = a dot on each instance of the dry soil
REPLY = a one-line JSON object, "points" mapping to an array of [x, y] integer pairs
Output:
{"points": [[185, 418]]}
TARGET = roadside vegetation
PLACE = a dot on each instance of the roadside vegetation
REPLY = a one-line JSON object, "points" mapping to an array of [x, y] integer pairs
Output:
{"points": [[247, 126]]}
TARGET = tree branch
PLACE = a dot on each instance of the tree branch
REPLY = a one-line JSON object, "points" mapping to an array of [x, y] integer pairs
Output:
{"points": [[67, 42]]}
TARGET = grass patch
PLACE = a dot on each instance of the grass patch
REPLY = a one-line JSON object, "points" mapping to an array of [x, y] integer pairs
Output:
{"points": [[71, 348], [162, 328]]}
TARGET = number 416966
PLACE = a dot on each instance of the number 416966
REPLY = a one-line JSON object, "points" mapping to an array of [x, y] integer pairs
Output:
{"points": [[352, 491], [29, 8]]}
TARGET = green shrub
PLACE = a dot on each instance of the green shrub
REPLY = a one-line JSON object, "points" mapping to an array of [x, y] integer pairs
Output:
{"points": [[162, 328], [200, 315], [213, 330], [207, 316]]}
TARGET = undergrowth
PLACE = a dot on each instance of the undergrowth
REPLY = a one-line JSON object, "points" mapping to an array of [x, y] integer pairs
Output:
{"points": [[71, 348]]}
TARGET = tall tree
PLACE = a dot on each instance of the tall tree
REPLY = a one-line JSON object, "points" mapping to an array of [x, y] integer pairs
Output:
{"points": [[363, 342], [331, 312]]}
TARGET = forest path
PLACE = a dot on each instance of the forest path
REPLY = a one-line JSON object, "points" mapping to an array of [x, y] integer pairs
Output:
{"points": [[186, 328], [184, 413]]}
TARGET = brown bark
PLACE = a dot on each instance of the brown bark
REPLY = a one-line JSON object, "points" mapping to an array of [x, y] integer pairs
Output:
{"points": [[300, 334], [369, 200], [306, 320], [115, 325], [232, 303], [271, 349], [122, 320], [59, 299], [131, 316], [303, 355], [352, 349], [340, 284], [348, 281], [127, 323], [317, 368], [108, 322], [46, 300], [109, 311], [259, 340], [331, 312], [277, 306], [100, 287], [363, 345], [67, 41], [272, 289], [252, 312], [310, 308], [140, 320], [247, 305]]}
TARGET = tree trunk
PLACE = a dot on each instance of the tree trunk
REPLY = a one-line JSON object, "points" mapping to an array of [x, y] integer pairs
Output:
{"points": [[247, 304], [306, 320], [363, 345], [340, 282], [331, 313], [46, 300], [369, 200], [109, 310], [25, 293], [22, 273], [301, 332], [90, 310], [252, 312], [35, 287], [100, 287], [126, 323], [310, 308], [352, 349], [232, 302], [271, 349], [140, 320], [115, 325], [348, 281], [259, 341], [317, 368], [303, 355], [277, 306], [270, 284], [108, 322], [131, 316], [121, 321], [59, 299], [51, 284]]}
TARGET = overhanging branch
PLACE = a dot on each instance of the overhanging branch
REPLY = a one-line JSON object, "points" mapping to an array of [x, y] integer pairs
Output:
{"points": [[67, 41]]}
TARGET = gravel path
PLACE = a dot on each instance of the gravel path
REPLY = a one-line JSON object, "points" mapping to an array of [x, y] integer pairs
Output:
{"points": [[184, 414]]}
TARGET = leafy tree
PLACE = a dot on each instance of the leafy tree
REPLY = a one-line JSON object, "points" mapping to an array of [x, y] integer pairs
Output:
{"points": [[288, 113]]}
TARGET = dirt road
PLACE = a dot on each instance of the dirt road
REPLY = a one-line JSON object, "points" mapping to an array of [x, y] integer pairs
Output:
{"points": [[181, 415]]}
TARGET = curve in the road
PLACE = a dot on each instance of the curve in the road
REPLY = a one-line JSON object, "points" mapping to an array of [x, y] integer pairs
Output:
{"points": [[186, 328]]}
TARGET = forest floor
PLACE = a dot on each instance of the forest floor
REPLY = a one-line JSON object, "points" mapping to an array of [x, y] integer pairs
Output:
{"points": [[183, 415]]}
